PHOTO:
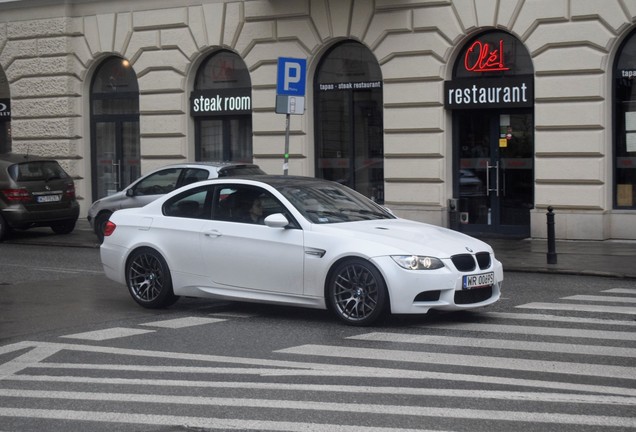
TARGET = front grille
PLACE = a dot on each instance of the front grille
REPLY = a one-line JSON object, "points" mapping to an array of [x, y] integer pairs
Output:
{"points": [[471, 296], [483, 259], [464, 262]]}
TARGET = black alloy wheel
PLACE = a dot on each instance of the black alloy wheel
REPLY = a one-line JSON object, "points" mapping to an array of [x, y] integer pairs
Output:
{"points": [[356, 292], [148, 279]]}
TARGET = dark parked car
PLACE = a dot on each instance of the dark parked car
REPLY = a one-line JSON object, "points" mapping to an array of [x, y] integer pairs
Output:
{"points": [[159, 182], [35, 192]]}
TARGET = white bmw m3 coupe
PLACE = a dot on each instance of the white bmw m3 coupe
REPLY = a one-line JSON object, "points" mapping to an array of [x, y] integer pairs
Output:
{"points": [[295, 241]]}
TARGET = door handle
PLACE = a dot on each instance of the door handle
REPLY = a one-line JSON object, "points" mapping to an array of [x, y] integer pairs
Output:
{"points": [[213, 233], [117, 169], [496, 168]]}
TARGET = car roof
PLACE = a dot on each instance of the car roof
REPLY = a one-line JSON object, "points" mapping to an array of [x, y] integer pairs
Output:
{"points": [[206, 163], [277, 181]]}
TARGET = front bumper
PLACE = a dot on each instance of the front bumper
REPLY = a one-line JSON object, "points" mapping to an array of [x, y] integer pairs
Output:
{"points": [[418, 291]]}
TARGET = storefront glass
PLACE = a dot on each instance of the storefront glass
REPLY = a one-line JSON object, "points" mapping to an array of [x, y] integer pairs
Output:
{"points": [[349, 130], [115, 154], [221, 105], [625, 126], [5, 114]]}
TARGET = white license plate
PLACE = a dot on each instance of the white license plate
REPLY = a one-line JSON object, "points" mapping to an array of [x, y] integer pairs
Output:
{"points": [[478, 280], [48, 198]]}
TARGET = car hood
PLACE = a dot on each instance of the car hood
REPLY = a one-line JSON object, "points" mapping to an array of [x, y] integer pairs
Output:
{"points": [[405, 236], [110, 201]]}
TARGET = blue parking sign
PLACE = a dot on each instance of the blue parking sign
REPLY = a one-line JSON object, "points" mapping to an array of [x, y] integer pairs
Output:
{"points": [[291, 76]]}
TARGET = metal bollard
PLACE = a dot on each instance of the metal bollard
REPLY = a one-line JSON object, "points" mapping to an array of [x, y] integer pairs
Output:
{"points": [[551, 256]]}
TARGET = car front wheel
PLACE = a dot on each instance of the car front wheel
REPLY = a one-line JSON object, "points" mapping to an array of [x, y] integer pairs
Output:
{"points": [[100, 223], [148, 279], [356, 292]]}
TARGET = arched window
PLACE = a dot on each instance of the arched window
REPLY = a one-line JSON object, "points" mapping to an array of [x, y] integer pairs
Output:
{"points": [[625, 125], [348, 119], [221, 104], [114, 127]]}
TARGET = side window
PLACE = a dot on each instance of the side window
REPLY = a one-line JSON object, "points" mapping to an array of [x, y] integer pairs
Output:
{"points": [[193, 175], [245, 204], [159, 183], [193, 204]]}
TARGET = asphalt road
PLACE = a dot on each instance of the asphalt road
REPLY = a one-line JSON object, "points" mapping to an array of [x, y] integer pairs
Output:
{"points": [[76, 354]]}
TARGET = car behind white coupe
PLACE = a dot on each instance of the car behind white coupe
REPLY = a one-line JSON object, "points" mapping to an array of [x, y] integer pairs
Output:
{"points": [[295, 241]]}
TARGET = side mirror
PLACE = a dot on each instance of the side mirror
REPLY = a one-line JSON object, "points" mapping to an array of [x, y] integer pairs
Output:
{"points": [[130, 192], [276, 220]]}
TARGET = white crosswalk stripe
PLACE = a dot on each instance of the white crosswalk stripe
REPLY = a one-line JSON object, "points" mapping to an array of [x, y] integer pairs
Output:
{"points": [[545, 372]]}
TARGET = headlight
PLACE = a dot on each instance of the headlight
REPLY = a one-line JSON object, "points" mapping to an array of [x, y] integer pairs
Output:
{"points": [[414, 262]]}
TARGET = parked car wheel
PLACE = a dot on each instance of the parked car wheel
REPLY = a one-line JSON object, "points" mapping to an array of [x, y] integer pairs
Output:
{"points": [[4, 228], [64, 227], [149, 280], [100, 223], [357, 292]]}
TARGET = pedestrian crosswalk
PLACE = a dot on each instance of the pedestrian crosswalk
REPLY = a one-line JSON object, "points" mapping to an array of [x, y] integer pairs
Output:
{"points": [[527, 369]]}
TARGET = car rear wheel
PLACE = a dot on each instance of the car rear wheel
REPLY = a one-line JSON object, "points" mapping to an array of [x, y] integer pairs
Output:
{"points": [[64, 227], [148, 279], [356, 292], [4, 228], [100, 222]]}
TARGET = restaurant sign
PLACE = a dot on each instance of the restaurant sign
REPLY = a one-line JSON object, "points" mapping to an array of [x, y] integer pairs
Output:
{"points": [[507, 92]]}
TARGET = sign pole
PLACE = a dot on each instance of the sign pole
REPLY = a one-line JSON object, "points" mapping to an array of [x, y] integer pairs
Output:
{"points": [[290, 95], [286, 160]]}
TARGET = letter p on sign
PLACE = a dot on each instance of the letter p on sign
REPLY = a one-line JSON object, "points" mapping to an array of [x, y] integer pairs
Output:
{"points": [[291, 76]]}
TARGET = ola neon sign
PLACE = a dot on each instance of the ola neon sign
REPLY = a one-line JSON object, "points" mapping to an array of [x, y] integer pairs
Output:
{"points": [[480, 57]]}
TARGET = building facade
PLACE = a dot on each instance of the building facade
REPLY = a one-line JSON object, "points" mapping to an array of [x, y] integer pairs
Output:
{"points": [[473, 114]]}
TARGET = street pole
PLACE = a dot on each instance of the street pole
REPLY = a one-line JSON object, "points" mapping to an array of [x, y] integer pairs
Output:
{"points": [[286, 156]]}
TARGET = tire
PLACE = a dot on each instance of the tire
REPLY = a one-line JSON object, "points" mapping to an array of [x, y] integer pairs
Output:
{"points": [[64, 227], [100, 223], [148, 279], [4, 228], [356, 292]]}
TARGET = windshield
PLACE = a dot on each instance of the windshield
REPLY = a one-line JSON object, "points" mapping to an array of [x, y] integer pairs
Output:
{"points": [[324, 203]]}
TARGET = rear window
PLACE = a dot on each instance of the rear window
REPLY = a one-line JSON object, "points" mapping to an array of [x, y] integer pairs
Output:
{"points": [[37, 171], [241, 170]]}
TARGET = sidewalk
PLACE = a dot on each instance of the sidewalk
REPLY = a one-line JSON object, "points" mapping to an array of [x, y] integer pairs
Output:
{"points": [[613, 258]]}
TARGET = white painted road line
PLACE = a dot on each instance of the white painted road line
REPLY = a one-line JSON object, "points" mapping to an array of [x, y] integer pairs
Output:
{"points": [[190, 422], [489, 362], [541, 331], [593, 298], [605, 351], [420, 411], [623, 310], [568, 398], [183, 322], [557, 318], [621, 291], [106, 334]]}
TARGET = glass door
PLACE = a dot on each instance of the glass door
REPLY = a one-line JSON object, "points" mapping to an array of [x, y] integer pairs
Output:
{"points": [[116, 153], [494, 178]]}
